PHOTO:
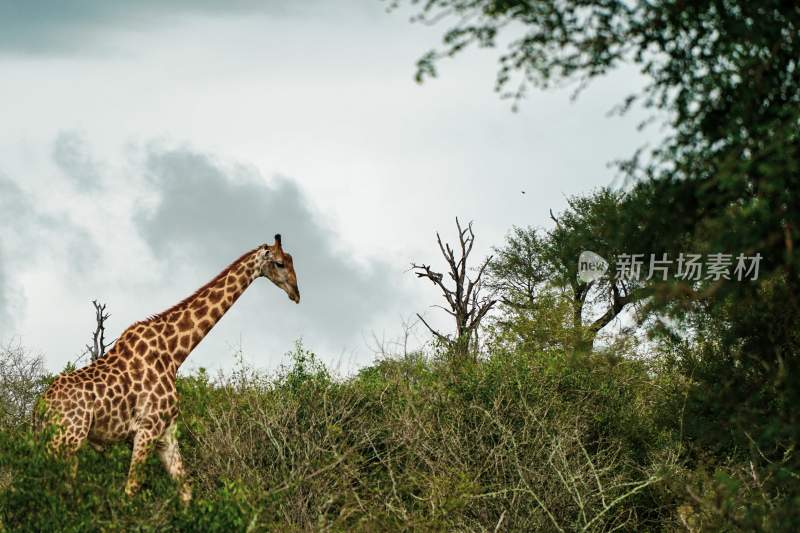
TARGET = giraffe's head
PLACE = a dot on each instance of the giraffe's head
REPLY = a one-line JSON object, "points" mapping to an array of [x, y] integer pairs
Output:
{"points": [[278, 267]]}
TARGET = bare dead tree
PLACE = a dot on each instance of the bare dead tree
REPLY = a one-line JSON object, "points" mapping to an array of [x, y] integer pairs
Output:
{"points": [[97, 349], [465, 301]]}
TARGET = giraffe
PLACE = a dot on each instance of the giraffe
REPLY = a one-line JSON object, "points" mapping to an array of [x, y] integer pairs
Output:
{"points": [[129, 394]]}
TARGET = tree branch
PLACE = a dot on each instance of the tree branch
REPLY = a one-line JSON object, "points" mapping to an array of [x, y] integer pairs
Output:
{"points": [[435, 333]]}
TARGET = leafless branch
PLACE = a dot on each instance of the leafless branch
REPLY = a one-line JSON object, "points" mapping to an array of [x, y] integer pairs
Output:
{"points": [[97, 349], [435, 333], [465, 301], [554, 219]]}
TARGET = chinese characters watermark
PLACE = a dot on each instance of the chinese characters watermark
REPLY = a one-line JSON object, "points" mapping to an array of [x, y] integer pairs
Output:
{"points": [[686, 267]]}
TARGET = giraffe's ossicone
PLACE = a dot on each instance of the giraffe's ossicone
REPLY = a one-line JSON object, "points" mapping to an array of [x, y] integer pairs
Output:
{"points": [[129, 394]]}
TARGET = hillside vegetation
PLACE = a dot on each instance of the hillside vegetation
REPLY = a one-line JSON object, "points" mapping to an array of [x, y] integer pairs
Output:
{"points": [[517, 441]]}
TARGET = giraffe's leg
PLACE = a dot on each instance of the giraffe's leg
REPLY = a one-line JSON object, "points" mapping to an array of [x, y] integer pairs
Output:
{"points": [[142, 445], [170, 455]]}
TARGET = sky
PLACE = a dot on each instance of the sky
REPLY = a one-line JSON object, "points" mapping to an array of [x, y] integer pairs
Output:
{"points": [[146, 145]]}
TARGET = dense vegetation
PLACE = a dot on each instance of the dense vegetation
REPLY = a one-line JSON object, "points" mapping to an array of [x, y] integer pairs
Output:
{"points": [[528, 436]]}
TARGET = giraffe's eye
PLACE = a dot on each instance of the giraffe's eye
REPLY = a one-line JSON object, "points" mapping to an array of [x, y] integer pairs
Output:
{"points": [[278, 264]]}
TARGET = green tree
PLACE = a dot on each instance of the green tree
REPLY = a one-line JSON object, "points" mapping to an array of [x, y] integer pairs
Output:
{"points": [[536, 273]]}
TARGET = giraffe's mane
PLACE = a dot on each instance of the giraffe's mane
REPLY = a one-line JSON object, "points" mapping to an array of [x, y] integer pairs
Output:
{"points": [[186, 300]]}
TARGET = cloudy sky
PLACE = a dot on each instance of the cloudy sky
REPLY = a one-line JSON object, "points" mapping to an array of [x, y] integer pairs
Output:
{"points": [[145, 145]]}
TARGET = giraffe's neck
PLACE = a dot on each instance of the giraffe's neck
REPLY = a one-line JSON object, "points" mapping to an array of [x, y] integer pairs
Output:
{"points": [[192, 319]]}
